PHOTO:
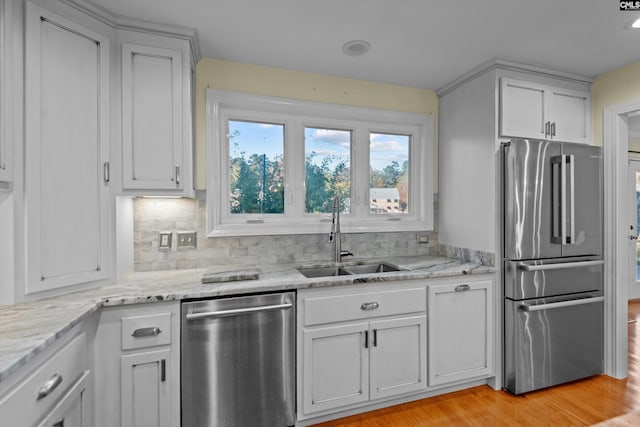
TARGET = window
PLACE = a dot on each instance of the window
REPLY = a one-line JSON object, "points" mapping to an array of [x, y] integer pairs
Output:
{"points": [[256, 167], [327, 154], [274, 166]]}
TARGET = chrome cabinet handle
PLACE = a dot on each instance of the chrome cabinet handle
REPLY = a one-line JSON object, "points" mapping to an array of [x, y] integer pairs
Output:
{"points": [[546, 129], [177, 175], [369, 306], [106, 172], [553, 129], [236, 311], [462, 288], [561, 304], [557, 266], [146, 332], [47, 388]]}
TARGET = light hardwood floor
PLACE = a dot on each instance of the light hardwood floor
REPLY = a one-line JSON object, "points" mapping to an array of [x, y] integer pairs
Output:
{"points": [[580, 403]]}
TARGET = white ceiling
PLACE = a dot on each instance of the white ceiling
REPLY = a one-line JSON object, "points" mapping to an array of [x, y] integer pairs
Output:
{"points": [[419, 43]]}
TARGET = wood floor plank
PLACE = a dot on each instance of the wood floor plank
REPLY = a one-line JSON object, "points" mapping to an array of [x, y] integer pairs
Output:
{"points": [[600, 400]]}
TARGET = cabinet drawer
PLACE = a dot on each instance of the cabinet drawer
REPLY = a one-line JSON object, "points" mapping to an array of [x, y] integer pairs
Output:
{"points": [[363, 305], [30, 400], [146, 331]]}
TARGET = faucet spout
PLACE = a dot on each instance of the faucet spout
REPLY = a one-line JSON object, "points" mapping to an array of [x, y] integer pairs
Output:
{"points": [[335, 237]]}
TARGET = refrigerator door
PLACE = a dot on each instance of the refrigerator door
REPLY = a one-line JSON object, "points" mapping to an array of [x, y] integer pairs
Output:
{"points": [[528, 200], [553, 340], [583, 201]]}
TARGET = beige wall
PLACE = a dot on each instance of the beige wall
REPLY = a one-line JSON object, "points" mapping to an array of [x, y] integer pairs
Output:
{"points": [[615, 87], [234, 76]]}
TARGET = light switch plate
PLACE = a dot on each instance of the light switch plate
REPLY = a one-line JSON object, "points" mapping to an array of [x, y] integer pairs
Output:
{"points": [[187, 239]]}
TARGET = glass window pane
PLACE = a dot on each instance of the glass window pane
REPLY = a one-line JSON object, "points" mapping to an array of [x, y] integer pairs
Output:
{"points": [[327, 169], [256, 168], [389, 173]]}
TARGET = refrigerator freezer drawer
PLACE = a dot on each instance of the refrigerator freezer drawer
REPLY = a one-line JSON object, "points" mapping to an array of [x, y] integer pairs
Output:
{"points": [[544, 278], [552, 341]]}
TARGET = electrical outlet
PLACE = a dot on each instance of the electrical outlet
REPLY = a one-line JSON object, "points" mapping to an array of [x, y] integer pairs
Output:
{"points": [[164, 240], [187, 239], [423, 238]]}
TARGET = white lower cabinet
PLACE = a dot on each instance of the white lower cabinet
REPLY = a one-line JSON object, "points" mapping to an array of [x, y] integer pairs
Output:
{"points": [[336, 366], [398, 356], [364, 347], [146, 389], [460, 331], [72, 411], [380, 353], [138, 366], [55, 392]]}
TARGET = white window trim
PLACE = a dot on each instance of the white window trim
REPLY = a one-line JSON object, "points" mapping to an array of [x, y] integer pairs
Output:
{"points": [[297, 114]]}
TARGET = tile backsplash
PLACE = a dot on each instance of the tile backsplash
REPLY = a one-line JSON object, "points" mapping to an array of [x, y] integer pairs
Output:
{"points": [[155, 216]]}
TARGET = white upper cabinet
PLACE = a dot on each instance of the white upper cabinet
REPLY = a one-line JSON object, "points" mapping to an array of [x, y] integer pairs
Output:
{"points": [[68, 204], [156, 115], [10, 82], [533, 110]]}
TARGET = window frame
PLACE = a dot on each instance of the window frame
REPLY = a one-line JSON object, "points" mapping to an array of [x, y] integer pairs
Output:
{"points": [[296, 115]]}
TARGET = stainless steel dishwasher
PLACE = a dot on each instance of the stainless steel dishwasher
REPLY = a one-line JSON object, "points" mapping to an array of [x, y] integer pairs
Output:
{"points": [[238, 361]]}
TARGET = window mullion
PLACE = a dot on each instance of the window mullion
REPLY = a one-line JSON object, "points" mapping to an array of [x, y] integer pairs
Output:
{"points": [[294, 164], [359, 184]]}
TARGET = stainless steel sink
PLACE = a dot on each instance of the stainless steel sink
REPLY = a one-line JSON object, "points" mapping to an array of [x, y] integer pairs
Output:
{"points": [[379, 267], [323, 272]]}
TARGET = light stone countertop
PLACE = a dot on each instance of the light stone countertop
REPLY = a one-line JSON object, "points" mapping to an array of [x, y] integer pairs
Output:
{"points": [[27, 329]]}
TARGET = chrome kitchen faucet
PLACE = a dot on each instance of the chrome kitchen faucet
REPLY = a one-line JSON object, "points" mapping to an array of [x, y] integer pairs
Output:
{"points": [[335, 232]]}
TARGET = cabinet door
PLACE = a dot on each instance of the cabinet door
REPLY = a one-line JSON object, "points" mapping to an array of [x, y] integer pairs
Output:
{"points": [[522, 109], [152, 122], [146, 389], [67, 123], [336, 366], [398, 356], [460, 331], [9, 28], [72, 410], [570, 113]]}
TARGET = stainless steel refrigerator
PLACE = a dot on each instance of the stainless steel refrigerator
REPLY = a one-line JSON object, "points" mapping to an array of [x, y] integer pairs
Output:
{"points": [[552, 263]]}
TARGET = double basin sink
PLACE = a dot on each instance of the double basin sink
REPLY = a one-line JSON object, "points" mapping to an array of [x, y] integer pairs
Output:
{"points": [[347, 270]]}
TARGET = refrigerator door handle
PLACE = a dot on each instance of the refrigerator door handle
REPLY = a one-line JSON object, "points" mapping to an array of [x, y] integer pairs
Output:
{"points": [[558, 199], [558, 265], [539, 307], [571, 238]]}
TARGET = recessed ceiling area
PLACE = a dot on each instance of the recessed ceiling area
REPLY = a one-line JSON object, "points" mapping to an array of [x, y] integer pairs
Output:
{"points": [[418, 43]]}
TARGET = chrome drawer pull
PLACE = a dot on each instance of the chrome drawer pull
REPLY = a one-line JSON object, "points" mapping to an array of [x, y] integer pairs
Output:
{"points": [[369, 306], [47, 388], [462, 288], [146, 332]]}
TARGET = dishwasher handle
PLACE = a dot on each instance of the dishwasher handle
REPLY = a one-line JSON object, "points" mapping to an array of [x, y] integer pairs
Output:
{"points": [[238, 311]]}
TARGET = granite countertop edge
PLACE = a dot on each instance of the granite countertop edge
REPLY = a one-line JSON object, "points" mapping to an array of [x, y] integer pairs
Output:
{"points": [[27, 329]]}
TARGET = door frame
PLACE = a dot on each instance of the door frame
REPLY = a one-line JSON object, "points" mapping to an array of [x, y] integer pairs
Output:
{"points": [[633, 168], [615, 148]]}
